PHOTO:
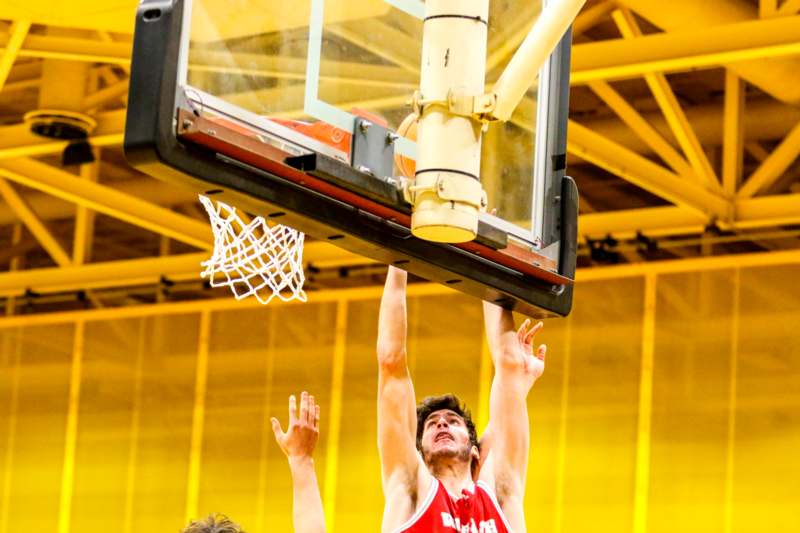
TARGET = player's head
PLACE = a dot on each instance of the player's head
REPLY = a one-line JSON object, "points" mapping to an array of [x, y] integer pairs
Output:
{"points": [[216, 523], [445, 431]]}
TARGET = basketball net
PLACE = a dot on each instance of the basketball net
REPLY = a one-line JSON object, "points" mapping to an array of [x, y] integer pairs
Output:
{"points": [[252, 258]]}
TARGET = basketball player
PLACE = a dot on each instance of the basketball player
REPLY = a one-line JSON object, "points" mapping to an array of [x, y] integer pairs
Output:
{"points": [[429, 454], [213, 524], [298, 444]]}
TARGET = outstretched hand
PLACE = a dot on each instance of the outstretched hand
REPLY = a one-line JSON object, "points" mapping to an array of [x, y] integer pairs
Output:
{"points": [[533, 361], [302, 435], [514, 350]]}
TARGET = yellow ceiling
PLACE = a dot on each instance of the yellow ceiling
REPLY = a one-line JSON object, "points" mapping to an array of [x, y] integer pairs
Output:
{"points": [[115, 16], [245, 17]]}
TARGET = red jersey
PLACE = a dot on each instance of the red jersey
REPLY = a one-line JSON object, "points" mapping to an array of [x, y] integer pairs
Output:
{"points": [[476, 511]]}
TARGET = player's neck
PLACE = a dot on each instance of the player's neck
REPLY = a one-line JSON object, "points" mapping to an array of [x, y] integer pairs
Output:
{"points": [[455, 476]]}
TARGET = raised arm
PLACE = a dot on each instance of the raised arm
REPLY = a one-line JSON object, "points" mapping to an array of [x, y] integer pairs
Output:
{"points": [[298, 444], [397, 420], [517, 368]]}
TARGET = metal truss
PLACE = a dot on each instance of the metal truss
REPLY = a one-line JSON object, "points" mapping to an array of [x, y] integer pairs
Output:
{"points": [[664, 151], [137, 272]]}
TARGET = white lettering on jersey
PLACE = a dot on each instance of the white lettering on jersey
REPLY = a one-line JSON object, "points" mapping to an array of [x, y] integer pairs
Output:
{"points": [[447, 521], [487, 526]]}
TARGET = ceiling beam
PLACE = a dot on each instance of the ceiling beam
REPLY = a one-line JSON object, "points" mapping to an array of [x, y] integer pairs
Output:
{"points": [[83, 238], [642, 172], [774, 165], [18, 248], [110, 93], [765, 120], [74, 49], [16, 36], [123, 273], [789, 7], [671, 108], [216, 304], [677, 51], [685, 50], [131, 272], [151, 190], [25, 71], [767, 8], [107, 200], [733, 133], [650, 221], [654, 221], [403, 50], [107, 38], [591, 16], [185, 267], [34, 224], [41, 146], [18, 141], [750, 213], [755, 149], [696, 264], [16, 86], [273, 66], [636, 122], [766, 211]]}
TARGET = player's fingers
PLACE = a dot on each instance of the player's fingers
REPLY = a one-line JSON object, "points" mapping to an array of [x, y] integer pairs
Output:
{"points": [[536, 328], [311, 410], [541, 351], [316, 418], [533, 331], [276, 428], [521, 332], [292, 410], [303, 407]]}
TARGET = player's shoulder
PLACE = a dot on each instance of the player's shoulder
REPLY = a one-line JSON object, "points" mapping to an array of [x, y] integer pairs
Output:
{"points": [[494, 510], [485, 491]]}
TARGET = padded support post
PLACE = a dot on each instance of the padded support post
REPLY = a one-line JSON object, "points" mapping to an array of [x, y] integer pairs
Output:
{"points": [[447, 194]]}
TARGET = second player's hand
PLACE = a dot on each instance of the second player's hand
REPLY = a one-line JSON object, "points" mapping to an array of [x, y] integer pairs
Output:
{"points": [[302, 435]]}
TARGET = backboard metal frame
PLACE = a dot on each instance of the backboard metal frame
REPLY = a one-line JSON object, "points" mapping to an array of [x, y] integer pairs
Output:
{"points": [[274, 172]]}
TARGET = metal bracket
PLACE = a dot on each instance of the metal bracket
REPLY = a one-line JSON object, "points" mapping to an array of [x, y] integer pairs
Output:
{"points": [[447, 188], [477, 107], [373, 148]]}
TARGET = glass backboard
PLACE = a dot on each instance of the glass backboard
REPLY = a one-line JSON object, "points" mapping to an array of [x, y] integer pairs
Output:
{"points": [[232, 96], [325, 61]]}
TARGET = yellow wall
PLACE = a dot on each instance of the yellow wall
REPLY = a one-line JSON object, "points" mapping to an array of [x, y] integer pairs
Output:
{"points": [[717, 454]]}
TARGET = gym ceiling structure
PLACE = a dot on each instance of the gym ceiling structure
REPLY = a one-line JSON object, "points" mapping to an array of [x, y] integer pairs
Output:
{"points": [[131, 394], [683, 139]]}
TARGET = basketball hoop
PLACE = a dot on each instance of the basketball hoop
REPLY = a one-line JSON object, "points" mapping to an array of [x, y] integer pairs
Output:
{"points": [[252, 258]]}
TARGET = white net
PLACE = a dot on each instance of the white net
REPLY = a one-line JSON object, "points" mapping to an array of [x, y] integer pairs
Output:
{"points": [[252, 258]]}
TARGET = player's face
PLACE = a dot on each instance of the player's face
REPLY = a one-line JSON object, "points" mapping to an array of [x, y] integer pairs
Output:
{"points": [[445, 435]]}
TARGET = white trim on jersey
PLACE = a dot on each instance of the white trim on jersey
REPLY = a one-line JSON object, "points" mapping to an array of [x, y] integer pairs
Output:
{"points": [[482, 484], [470, 489], [424, 507]]}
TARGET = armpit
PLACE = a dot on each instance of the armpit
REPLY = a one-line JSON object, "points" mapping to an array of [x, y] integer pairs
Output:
{"points": [[405, 481], [503, 486]]}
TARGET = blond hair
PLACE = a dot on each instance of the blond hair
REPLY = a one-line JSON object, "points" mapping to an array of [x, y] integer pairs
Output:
{"points": [[215, 523]]}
